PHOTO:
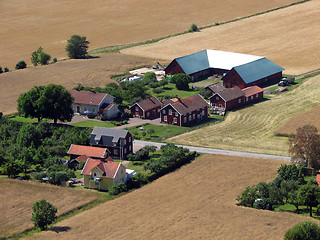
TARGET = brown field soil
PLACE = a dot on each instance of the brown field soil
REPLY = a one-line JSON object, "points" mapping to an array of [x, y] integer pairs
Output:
{"points": [[289, 37], [27, 25], [17, 198], [93, 72], [196, 202], [252, 128], [310, 117]]}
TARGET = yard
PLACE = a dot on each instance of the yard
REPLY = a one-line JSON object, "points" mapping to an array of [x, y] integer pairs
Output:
{"points": [[93, 123]]}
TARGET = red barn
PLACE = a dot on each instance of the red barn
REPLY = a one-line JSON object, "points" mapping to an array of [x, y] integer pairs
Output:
{"points": [[258, 72], [182, 112], [252, 94], [148, 108]]}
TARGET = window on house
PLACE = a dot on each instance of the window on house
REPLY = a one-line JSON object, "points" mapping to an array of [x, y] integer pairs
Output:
{"points": [[240, 100], [148, 114], [96, 174], [202, 112], [125, 151], [163, 111], [115, 151], [137, 109], [129, 139], [185, 119], [177, 114], [220, 105], [129, 147], [190, 117], [174, 120], [124, 142], [165, 118], [170, 111], [257, 95], [217, 98], [85, 109], [251, 97], [194, 116], [246, 99], [93, 110]]}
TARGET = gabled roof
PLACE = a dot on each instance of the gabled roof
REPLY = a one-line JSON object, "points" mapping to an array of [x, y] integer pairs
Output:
{"points": [[230, 94], [108, 167], [96, 152], [81, 158], [217, 87], [87, 97], [149, 103], [107, 136], [258, 69], [249, 91], [189, 104], [208, 58]]}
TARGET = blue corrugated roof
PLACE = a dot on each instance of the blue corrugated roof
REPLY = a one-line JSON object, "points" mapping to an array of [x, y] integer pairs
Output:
{"points": [[258, 69], [194, 62]]}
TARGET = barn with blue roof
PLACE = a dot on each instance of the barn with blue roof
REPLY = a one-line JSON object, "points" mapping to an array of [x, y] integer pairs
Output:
{"points": [[239, 69]]}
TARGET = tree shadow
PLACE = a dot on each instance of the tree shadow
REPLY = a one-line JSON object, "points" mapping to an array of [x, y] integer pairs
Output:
{"points": [[58, 229]]}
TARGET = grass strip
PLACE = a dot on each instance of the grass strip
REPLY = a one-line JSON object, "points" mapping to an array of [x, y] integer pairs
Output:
{"points": [[118, 48]]}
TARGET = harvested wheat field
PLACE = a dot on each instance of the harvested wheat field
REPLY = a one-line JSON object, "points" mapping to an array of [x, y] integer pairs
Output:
{"points": [[311, 117], [95, 72], [17, 198], [252, 128], [289, 37], [27, 25], [195, 202]]}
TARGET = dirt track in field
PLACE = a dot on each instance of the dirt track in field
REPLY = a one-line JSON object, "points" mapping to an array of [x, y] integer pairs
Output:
{"points": [[26, 25], [94, 72], [196, 202], [289, 37], [17, 198]]}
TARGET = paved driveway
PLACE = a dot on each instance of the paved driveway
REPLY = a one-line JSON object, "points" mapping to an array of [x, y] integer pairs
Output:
{"points": [[138, 121]]}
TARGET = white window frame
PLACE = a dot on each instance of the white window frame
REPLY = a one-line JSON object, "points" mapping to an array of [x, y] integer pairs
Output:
{"points": [[170, 111], [165, 119], [257, 95], [203, 112], [129, 147], [163, 111], [124, 142], [251, 97], [190, 117], [115, 151], [177, 114], [175, 120], [129, 139], [148, 114], [185, 119], [194, 116], [96, 174], [217, 98], [125, 151], [239, 100], [137, 109]]}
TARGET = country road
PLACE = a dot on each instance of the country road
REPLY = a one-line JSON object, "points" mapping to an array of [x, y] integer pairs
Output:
{"points": [[216, 151]]}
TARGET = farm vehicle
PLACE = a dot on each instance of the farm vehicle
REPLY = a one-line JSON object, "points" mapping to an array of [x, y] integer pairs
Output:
{"points": [[286, 81]]}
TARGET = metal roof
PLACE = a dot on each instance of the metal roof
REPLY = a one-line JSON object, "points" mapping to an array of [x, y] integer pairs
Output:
{"points": [[107, 136], [258, 69], [208, 58]]}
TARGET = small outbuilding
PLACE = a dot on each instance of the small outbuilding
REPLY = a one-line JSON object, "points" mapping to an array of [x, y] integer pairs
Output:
{"points": [[148, 108]]}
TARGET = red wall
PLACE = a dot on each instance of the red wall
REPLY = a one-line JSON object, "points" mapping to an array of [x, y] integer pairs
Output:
{"points": [[255, 98], [140, 112], [170, 117], [153, 114], [136, 113], [229, 105], [173, 68]]}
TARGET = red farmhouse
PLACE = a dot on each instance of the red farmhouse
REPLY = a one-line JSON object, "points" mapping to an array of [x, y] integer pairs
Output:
{"points": [[119, 142], [235, 97], [182, 112], [148, 108]]}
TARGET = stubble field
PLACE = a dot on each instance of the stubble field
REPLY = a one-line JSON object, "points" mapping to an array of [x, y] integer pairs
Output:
{"points": [[27, 25], [17, 198], [289, 37], [253, 129], [195, 202]]}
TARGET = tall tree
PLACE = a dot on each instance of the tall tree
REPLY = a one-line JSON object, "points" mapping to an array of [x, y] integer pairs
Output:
{"points": [[28, 104], [77, 47], [305, 146], [309, 194], [40, 57], [52, 101], [56, 103]]}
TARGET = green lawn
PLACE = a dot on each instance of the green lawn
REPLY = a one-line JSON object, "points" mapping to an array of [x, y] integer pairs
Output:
{"points": [[93, 123], [205, 83], [170, 89], [159, 131], [25, 120], [303, 210]]}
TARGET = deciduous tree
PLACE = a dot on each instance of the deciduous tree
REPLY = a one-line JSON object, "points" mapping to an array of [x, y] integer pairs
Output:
{"points": [[44, 213], [305, 146], [40, 57], [309, 194], [303, 231], [77, 47], [21, 65]]}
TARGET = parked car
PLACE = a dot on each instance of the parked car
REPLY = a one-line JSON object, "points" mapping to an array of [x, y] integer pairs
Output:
{"points": [[74, 181]]}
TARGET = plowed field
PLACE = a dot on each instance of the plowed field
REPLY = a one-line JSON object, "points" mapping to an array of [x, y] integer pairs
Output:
{"points": [[195, 202]]}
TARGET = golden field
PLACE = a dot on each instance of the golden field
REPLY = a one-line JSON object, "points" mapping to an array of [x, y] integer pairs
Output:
{"points": [[27, 25], [253, 128], [17, 198], [195, 202], [288, 37]]}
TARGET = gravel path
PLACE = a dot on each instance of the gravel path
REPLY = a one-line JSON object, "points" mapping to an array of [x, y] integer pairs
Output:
{"points": [[217, 151]]}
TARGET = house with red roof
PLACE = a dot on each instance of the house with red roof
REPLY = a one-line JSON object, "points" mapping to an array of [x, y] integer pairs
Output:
{"points": [[102, 174], [76, 151], [182, 112], [148, 108], [90, 102], [252, 94]]}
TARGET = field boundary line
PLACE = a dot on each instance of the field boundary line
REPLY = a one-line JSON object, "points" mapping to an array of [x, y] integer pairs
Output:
{"points": [[118, 48]]}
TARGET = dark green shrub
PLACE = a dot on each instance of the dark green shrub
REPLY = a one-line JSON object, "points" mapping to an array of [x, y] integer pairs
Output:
{"points": [[303, 231], [54, 60], [6, 69], [39, 176], [1, 71], [149, 77], [158, 90], [117, 189], [263, 204], [44, 213], [248, 196], [21, 65], [194, 28], [1, 114]]}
